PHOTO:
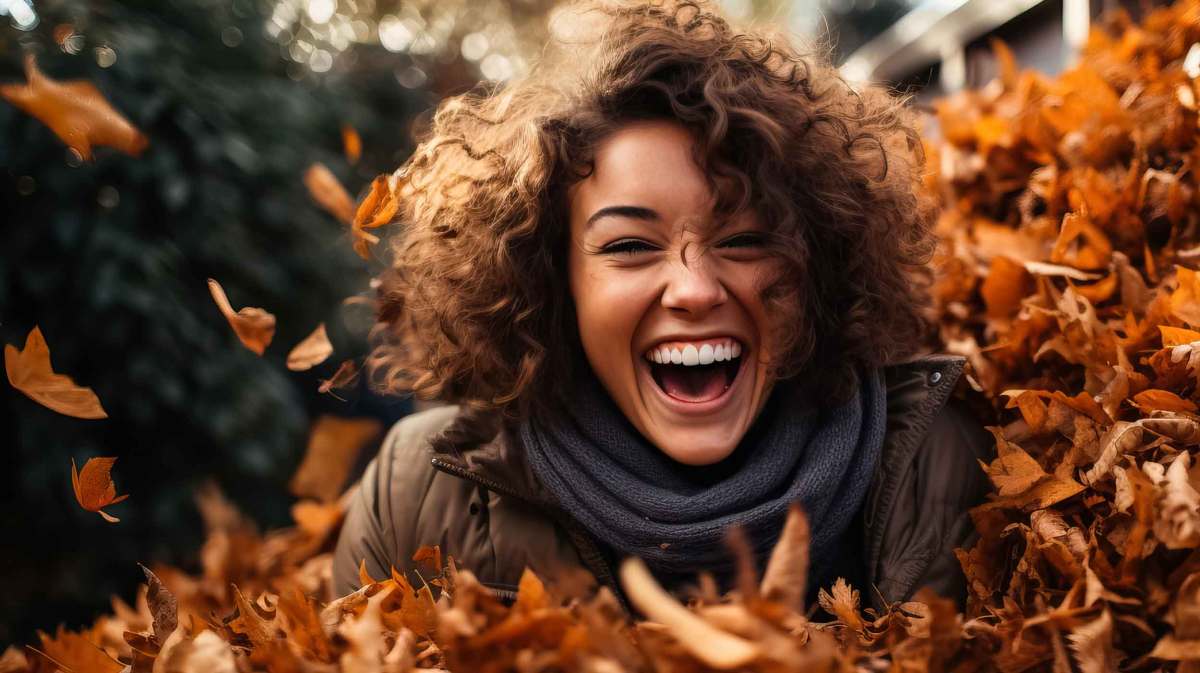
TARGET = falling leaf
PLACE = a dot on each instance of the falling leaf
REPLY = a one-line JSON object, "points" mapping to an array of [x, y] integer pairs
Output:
{"points": [[351, 143], [377, 209], [75, 111], [311, 352], [94, 487], [30, 372], [346, 375], [253, 326], [328, 192], [334, 444]]}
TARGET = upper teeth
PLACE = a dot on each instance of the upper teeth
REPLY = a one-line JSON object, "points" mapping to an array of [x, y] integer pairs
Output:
{"points": [[701, 353]]}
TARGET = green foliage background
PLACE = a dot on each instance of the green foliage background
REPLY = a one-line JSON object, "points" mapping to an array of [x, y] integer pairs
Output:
{"points": [[118, 287]]}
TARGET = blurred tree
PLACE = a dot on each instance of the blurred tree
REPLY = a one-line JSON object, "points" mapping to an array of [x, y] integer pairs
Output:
{"points": [[110, 259]]}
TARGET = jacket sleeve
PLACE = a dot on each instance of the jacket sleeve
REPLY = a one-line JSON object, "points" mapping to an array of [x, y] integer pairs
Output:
{"points": [[955, 483], [385, 508]]}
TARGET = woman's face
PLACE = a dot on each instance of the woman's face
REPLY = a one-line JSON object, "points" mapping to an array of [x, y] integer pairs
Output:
{"points": [[667, 299]]}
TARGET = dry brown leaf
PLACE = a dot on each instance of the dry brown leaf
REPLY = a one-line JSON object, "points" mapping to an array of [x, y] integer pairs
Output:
{"points": [[786, 576], [351, 143], [842, 601], [324, 188], [253, 326], [94, 486], [30, 372], [1162, 400], [311, 352], [1175, 336], [75, 111], [377, 208], [334, 444], [346, 375], [74, 652], [712, 646], [1093, 646]]}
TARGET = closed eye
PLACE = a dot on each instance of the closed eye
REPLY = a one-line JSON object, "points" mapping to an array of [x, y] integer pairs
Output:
{"points": [[747, 239], [626, 246]]}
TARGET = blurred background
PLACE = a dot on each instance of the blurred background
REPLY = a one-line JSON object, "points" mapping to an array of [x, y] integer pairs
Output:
{"points": [[239, 98]]}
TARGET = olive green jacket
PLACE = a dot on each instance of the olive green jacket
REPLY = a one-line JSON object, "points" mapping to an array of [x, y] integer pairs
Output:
{"points": [[485, 508]]}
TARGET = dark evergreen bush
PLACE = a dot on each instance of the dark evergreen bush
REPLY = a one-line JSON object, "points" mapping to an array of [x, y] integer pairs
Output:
{"points": [[110, 259]]}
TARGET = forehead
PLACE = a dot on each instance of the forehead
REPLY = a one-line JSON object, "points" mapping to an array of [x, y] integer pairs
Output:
{"points": [[646, 163]]}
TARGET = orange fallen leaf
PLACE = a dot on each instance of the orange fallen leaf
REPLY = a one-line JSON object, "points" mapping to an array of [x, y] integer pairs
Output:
{"points": [[75, 111], [29, 371], [70, 651], [1175, 336], [1162, 400], [375, 210], [324, 188], [351, 143], [311, 352], [253, 326], [94, 487]]}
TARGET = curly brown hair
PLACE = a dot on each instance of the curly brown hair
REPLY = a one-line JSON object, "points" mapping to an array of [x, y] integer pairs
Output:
{"points": [[475, 308]]}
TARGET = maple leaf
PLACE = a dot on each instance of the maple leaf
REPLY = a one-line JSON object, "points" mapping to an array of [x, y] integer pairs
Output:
{"points": [[29, 371], [75, 111], [253, 326], [94, 487]]}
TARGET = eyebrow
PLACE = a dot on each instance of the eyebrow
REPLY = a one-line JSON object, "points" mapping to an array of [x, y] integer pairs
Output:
{"points": [[634, 212]]}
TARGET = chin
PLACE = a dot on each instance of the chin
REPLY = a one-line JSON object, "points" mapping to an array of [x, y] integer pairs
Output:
{"points": [[691, 448]]}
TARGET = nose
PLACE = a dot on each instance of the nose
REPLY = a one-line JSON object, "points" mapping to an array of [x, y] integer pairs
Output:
{"points": [[693, 287]]}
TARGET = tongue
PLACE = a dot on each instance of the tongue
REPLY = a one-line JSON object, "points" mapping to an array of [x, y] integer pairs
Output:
{"points": [[693, 384]]}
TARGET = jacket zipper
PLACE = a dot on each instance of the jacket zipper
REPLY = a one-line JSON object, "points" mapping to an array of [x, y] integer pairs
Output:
{"points": [[581, 538]]}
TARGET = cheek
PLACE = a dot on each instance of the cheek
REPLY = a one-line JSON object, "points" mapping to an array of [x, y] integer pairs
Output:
{"points": [[608, 312]]}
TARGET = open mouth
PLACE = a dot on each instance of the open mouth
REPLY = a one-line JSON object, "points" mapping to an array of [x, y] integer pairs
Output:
{"points": [[693, 372]]}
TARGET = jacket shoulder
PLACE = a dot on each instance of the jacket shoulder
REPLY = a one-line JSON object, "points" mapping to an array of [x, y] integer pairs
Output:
{"points": [[384, 509]]}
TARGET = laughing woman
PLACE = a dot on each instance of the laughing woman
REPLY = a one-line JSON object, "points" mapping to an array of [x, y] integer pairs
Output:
{"points": [[667, 283]]}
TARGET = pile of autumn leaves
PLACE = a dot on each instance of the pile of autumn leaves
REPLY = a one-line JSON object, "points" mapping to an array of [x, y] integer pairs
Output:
{"points": [[1070, 233]]}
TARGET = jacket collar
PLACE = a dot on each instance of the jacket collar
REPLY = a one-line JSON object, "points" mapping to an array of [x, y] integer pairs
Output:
{"points": [[916, 391]]}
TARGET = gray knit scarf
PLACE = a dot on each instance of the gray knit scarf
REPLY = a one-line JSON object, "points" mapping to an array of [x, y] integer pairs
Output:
{"points": [[639, 501]]}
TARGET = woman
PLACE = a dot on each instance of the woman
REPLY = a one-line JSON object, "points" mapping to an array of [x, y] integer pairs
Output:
{"points": [[669, 283]]}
